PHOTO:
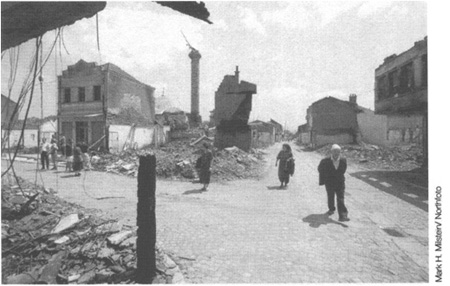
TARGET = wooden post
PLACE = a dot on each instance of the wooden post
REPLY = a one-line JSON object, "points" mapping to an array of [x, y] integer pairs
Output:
{"points": [[146, 220]]}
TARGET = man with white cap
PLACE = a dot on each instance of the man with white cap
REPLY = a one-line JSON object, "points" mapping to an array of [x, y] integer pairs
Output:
{"points": [[331, 174]]}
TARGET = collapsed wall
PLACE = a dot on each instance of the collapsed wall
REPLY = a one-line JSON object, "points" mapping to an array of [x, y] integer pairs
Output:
{"points": [[233, 103]]}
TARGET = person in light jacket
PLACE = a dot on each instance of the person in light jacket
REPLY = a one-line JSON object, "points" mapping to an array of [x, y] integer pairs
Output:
{"points": [[45, 149]]}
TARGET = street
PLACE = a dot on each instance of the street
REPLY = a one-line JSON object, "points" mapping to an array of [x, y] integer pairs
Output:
{"points": [[252, 232]]}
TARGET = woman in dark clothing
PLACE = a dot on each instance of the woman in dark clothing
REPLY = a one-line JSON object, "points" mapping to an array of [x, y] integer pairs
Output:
{"points": [[69, 155], [283, 172], [204, 165], [77, 160]]}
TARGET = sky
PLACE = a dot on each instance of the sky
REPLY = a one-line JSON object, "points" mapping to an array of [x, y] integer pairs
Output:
{"points": [[295, 52]]}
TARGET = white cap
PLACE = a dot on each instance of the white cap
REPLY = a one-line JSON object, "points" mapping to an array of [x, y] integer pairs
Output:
{"points": [[335, 147]]}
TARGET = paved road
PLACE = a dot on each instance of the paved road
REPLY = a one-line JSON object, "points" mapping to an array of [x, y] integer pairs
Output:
{"points": [[252, 232]]}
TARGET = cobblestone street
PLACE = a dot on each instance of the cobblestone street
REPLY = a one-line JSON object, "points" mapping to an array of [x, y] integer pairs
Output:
{"points": [[253, 232]]}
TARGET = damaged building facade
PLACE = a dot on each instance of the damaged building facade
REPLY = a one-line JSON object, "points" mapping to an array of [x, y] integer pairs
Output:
{"points": [[264, 134], [106, 107], [331, 120], [401, 90], [233, 104]]}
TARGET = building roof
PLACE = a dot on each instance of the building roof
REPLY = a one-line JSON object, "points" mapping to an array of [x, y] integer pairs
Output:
{"points": [[83, 65], [355, 106], [117, 69]]}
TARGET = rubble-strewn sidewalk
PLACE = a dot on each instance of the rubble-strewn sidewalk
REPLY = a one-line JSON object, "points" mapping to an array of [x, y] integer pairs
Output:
{"points": [[48, 240]]}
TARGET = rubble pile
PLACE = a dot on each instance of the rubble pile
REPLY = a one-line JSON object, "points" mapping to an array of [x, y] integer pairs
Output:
{"points": [[401, 158], [177, 159], [46, 240]]}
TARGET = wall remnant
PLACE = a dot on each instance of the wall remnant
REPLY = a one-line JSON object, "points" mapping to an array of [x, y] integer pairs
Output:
{"points": [[233, 104]]}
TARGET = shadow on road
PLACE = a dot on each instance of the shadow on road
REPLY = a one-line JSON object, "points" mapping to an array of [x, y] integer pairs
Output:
{"points": [[274, 188], [69, 176], [410, 186], [196, 191], [316, 220]]}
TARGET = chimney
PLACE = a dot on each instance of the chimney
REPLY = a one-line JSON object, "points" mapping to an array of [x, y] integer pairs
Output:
{"points": [[236, 74], [352, 98], [195, 81]]}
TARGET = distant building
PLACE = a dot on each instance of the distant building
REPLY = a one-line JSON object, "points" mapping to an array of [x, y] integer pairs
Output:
{"points": [[162, 104], [233, 103], [34, 131], [331, 120], [278, 130], [263, 134], [401, 86], [106, 107]]}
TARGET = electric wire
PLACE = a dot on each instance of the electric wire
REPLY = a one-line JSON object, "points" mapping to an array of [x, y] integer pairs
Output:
{"points": [[26, 87], [38, 42]]}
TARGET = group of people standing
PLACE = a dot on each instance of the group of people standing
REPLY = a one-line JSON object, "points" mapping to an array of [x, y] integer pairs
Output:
{"points": [[49, 151], [76, 156], [331, 174]]}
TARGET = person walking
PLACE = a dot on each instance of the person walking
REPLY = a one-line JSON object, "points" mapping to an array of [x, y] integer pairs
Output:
{"points": [[54, 154], [62, 145], [45, 148], [283, 172], [69, 155], [85, 155], [77, 161], [204, 166], [331, 174]]}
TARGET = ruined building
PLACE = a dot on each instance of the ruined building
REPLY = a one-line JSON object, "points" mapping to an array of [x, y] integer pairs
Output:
{"points": [[331, 120], [105, 107], [233, 103], [401, 87]]}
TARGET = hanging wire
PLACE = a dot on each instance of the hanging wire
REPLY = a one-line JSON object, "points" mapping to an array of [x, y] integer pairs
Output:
{"points": [[38, 43], [98, 39], [63, 42]]}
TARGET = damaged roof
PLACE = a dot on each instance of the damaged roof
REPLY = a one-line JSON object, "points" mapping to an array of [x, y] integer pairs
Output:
{"points": [[22, 21], [191, 8]]}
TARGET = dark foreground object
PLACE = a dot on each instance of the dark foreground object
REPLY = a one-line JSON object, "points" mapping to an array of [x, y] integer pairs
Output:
{"points": [[146, 220]]}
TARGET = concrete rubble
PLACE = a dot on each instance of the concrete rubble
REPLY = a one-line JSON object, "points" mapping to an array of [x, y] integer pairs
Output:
{"points": [[177, 159], [55, 242], [399, 158]]}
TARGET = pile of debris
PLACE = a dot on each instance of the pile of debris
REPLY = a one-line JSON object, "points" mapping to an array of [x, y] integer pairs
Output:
{"points": [[401, 158], [47, 240], [177, 159]]}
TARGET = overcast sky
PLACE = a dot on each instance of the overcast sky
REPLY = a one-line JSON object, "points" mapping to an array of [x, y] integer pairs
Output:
{"points": [[295, 52]]}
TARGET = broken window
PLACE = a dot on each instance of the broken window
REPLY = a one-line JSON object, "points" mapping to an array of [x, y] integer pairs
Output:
{"points": [[393, 83], [406, 78], [97, 93], [66, 128], [81, 94], [66, 95], [425, 70], [81, 131], [382, 87]]}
